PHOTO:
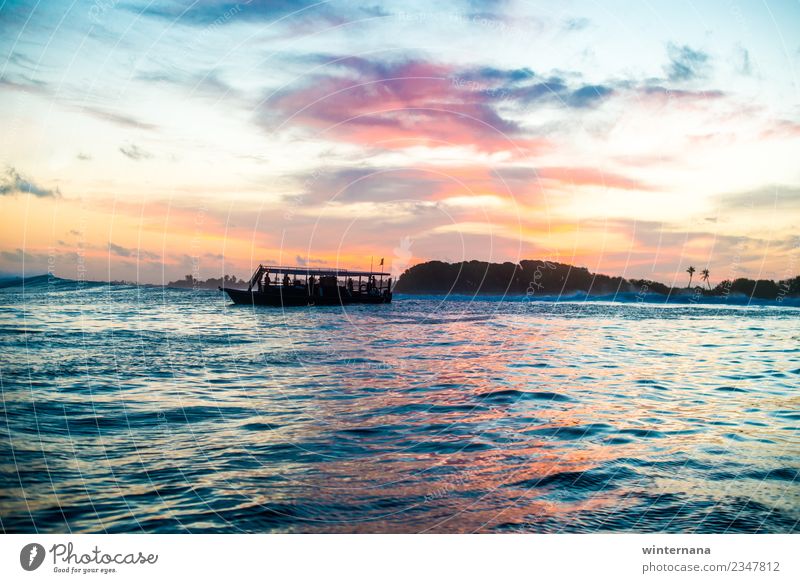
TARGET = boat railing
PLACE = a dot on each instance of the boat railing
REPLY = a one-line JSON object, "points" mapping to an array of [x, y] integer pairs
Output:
{"points": [[360, 279], [363, 288], [322, 271]]}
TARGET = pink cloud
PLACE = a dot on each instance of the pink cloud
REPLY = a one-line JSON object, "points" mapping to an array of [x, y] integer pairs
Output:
{"points": [[397, 106]]}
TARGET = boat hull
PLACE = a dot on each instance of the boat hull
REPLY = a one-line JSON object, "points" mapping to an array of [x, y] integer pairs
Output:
{"points": [[294, 297], [330, 296], [275, 297], [385, 298]]}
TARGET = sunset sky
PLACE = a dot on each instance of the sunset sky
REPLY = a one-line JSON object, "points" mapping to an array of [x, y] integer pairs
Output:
{"points": [[144, 141]]}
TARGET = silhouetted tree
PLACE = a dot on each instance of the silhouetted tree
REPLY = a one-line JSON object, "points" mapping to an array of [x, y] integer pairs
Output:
{"points": [[723, 288], [705, 277], [792, 286], [690, 271]]}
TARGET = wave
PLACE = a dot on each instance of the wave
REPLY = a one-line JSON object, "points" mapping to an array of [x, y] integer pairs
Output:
{"points": [[47, 281]]}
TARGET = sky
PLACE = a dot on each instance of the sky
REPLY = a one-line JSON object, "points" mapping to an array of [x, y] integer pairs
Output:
{"points": [[147, 140]]}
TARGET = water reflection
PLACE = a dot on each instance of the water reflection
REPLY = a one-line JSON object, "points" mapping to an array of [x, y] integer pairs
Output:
{"points": [[140, 409]]}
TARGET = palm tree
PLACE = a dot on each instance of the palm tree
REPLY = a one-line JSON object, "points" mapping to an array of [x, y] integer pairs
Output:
{"points": [[690, 271], [705, 277]]}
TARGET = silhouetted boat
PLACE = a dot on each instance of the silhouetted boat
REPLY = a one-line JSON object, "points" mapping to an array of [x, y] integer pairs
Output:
{"points": [[305, 286]]}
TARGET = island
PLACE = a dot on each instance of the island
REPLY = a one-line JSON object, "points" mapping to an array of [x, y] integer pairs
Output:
{"points": [[549, 278]]}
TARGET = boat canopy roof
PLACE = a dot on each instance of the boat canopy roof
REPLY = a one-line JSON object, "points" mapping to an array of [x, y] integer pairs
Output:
{"points": [[319, 271]]}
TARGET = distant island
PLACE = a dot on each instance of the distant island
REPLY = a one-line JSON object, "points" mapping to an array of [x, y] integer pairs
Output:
{"points": [[189, 282], [548, 278]]}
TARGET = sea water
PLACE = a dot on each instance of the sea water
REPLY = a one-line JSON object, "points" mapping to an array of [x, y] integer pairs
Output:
{"points": [[129, 409]]}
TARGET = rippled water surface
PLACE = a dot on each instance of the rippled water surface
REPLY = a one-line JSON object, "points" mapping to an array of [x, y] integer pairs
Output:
{"points": [[128, 409]]}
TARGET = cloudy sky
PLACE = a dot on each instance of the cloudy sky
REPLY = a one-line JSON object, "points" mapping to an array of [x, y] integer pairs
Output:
{"points": [[146, 140]]}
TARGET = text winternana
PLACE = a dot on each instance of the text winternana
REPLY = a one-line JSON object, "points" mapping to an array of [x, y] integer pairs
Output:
{"points": [[654, 550]]}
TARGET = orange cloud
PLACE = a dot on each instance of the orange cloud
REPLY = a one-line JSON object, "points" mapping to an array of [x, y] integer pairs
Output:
{"points": [[583, 176]]}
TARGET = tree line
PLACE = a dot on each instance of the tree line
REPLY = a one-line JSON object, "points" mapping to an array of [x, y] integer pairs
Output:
{"points": [[532, 277]]}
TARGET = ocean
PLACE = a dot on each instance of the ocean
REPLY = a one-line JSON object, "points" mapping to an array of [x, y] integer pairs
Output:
{"points": [[143, 409]]}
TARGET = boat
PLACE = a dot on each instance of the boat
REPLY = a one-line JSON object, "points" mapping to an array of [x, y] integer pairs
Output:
{"points": [[282, 286]]}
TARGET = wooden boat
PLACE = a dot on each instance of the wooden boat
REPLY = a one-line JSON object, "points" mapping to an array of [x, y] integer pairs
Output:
{"points": [[273, 297], [304, 286]]}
